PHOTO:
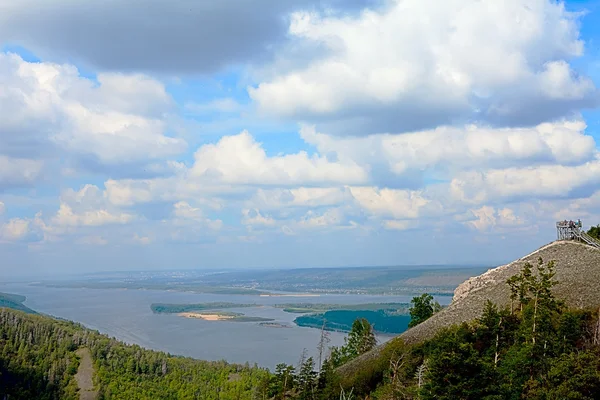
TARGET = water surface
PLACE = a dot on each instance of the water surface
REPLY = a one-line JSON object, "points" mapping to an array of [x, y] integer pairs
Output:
{"points": [[126, 315]]}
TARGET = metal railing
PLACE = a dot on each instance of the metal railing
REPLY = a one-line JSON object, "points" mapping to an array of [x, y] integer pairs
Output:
{"points": [[584, 237]]}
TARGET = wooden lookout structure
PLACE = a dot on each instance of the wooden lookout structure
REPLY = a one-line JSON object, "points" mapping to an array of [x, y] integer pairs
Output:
{"points": [[573, 230]]}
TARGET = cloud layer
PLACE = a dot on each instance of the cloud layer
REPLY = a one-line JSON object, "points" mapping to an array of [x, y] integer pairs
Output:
{"points": [[419, 64], [318, 133]]}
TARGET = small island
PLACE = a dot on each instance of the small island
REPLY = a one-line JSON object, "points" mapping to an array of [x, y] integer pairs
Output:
{"points": [[167, 308], [315, 308], [208, 311]]}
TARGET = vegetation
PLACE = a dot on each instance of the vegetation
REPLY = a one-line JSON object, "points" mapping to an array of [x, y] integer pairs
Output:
{"points": [[15, 302], [305, 382], [536, 349], [423, 307], [342, 320], [594, 232], [180, 308], [38, 361], [310, 308]]}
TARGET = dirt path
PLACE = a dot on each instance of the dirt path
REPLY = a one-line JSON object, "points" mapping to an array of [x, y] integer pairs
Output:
{"points": [[84, 376]]}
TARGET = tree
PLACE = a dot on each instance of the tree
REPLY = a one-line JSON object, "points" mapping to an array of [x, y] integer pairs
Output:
{"points": [[360, 340], [283, 381], [423, 307], [307, 380], [594, 232]]}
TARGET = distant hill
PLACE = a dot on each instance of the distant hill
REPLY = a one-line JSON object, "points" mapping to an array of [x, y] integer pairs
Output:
{"points": [[15, 302], [577, 270]]}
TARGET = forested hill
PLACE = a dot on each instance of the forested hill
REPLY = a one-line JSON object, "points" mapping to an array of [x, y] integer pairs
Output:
{"points": [[15, 302], [38, 361]]}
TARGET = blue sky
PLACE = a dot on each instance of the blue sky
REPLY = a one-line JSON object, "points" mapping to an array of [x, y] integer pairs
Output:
{"points": [[274, 134]]}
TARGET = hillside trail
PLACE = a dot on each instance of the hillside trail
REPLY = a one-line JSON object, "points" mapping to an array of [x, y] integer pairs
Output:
{"points": [[84, 375]]}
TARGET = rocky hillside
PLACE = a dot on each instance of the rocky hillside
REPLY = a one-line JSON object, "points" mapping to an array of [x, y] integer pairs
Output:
{"points": [[577, 270]]}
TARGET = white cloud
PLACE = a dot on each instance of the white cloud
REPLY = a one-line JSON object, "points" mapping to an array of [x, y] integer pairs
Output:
{"points": [[311, 219], [399, 204], [545, 181], [240, 159], [254, 217], [66, 217], [449, 148], [186, 215], [422, 63], [128, 192], [183, 210], [300, 197], [2, 208], [14, 230], [487, 219], [80, 213], [46, 108]]}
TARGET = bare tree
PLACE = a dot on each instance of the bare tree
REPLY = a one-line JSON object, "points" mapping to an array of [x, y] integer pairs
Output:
{"points": [[323, 343], [343, 395], [420, 374], [597, 331]]}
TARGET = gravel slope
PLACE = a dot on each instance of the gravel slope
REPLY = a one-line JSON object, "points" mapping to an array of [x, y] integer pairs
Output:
{"points": [[577, 270]]}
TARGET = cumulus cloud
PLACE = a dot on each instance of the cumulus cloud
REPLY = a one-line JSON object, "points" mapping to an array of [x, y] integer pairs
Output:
{"points": [[389, 202], [186, 215], [306, 197], [15, 229], [240, 159], [488, 218], [546, 181], [253, 217], [49, 110], [456, 148], [79, 213], [66, 217], [419, 64]]}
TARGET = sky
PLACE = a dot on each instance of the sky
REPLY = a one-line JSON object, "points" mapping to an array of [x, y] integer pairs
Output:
{"points": [[300, 133]]}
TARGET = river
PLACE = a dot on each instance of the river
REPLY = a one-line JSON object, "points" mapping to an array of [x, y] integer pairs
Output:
{"points": [[126, 315]]}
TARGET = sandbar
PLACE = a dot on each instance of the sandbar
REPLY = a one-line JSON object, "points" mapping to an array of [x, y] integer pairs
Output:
{"points": [[206, 317]]}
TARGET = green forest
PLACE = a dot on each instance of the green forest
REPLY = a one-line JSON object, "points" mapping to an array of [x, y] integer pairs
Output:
{"points": [[537, 348]]}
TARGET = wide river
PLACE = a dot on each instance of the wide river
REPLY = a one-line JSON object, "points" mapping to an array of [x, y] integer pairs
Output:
{"points": [[126, 315]]}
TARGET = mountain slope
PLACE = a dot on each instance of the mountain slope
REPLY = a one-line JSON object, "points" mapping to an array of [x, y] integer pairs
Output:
{"points": [[577, 270]]}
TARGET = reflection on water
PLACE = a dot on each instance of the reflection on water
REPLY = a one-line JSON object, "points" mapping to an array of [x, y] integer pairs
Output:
{"points": [[126, 315]]}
